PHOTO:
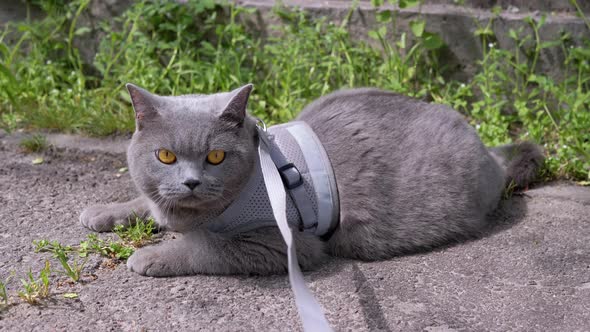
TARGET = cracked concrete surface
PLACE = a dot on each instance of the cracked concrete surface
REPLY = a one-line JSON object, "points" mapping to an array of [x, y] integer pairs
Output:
{"points": [[531, 273]]}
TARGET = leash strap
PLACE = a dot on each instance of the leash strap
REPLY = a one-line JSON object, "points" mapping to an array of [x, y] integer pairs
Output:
{"points": [[293, 181], [310, 311]]}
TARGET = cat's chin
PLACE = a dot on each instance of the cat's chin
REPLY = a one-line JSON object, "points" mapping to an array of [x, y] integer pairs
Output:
{"points": [[195, 202]]}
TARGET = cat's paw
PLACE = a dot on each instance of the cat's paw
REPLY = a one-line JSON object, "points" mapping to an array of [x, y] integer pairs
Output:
{"points": [[98, 218], [148, 262]]}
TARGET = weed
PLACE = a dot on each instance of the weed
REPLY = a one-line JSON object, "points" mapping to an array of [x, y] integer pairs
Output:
{"points": [[93, 245], [51, 246], [138, 233], [35, 143], [4, 292], [517, 102], [120, 251], [110, 249], [35, 290], [72, 269], [44, 281]]}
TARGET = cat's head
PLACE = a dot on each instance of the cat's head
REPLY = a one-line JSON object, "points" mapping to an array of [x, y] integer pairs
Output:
{"points": [[193, 151]]}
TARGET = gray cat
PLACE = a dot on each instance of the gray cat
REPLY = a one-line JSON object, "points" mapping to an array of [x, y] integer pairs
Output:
{"points": [[410, 176]]}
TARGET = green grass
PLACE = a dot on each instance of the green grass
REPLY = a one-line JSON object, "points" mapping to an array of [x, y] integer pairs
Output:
{"points": [[111, 249], [3, 293], [138, 234], [34, 143], [72, 260], [157, 45], [36, 289], [70, 267]]}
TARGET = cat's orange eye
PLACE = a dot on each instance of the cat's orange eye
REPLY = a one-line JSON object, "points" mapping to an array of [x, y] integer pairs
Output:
{"points": [[165, 156], [215, 157]]}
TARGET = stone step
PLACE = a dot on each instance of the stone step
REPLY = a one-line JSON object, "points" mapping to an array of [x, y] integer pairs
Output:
{"points": [[514, 5], [455, 24]]}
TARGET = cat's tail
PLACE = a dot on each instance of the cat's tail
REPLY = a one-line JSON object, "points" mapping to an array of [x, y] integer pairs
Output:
{"points": [[521, 162]]}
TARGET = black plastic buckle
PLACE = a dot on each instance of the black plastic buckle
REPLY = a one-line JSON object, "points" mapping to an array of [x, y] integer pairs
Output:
{"points": [[290, 176]]}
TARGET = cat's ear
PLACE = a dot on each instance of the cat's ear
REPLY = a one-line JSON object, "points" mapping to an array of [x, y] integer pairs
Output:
{"points": [[143, 105], [235, 111]]}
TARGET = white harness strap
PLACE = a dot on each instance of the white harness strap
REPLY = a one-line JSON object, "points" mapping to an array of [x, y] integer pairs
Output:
{"points": [[310, 311]]}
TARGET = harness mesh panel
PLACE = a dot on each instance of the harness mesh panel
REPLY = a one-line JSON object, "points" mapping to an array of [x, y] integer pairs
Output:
{"points": [[291, 151]]}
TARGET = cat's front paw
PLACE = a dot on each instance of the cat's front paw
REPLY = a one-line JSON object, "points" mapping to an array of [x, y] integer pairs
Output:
{"points": [[148, 262], [98, 218]]}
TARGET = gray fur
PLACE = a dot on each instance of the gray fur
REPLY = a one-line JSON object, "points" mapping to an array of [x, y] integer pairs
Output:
{"points": [[410, 176]]}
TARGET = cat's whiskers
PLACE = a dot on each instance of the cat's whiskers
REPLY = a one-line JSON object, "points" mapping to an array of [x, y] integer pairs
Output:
{"points": [[168, 205], [161, 201], [152, 194]]}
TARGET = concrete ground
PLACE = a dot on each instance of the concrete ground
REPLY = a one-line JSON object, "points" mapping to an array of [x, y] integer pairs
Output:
{"points": [[532, 273]]}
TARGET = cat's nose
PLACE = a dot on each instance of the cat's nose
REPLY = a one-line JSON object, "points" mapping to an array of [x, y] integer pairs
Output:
{"points": [[192, 183]]}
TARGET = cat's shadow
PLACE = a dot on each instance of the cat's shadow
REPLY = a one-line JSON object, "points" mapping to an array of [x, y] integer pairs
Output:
{"points": [[510, 212], [332, 266]]}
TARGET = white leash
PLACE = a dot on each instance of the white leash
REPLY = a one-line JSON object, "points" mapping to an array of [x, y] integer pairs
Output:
{"points": [[310, 311]]}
